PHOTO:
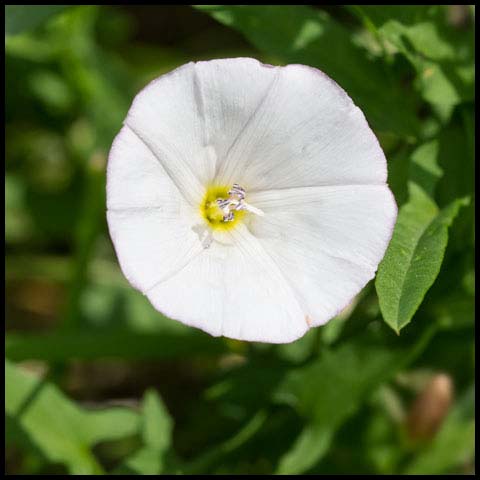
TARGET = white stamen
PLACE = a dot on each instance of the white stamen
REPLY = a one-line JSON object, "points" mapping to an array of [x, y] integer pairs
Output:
{"points": [[237, 190], [235, 201]]}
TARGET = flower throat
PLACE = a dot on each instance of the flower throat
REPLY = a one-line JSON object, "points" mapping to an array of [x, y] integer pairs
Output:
{"points": [[223, 207]]}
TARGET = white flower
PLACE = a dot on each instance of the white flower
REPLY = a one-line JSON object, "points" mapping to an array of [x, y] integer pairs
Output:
{"points": [[248, 200]]}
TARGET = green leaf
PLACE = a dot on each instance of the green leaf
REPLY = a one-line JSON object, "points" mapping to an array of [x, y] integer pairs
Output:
{"points": [[308, 448], [424, 38], [338, 368], [25, 17], [145, 461], [300, 34], [454, 445], [424, 169], [414, 256], [407, 14], [108, 424], [443, 56], [156, 426], [328, 391], [57, 427]]}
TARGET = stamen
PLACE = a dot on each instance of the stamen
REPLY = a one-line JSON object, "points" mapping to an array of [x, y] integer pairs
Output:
{"points": [[235, 202], [237, 190]]}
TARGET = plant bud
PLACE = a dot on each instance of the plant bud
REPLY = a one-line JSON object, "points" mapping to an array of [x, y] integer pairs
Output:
{"points": [[430, 408]]}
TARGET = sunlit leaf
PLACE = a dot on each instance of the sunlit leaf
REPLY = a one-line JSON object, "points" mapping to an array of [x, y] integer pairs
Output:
{"points": [[299, 34], [156, 423], [156, 431], [441, 55], [413, 257], [59, 428]]}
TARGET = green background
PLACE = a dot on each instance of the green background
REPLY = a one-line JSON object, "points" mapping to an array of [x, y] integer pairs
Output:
{"points": [[97, 381]]}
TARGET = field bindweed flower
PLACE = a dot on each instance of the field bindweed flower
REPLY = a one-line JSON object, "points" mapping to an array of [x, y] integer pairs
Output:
{"points": [[248, 200]]}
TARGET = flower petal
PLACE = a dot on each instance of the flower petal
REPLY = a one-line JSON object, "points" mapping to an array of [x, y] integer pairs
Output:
{"points": [[190, 117], [151, 245], [166, 116], [305, 132], [232, 91], [236, 291], [328, 240], [135, 177], [149, 221]]}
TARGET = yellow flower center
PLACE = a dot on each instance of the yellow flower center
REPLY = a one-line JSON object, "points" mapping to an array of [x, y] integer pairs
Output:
{"points": [[212, 212]]}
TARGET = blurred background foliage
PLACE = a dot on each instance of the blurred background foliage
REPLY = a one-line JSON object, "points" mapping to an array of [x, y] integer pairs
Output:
{"points": [[97, 381]]}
